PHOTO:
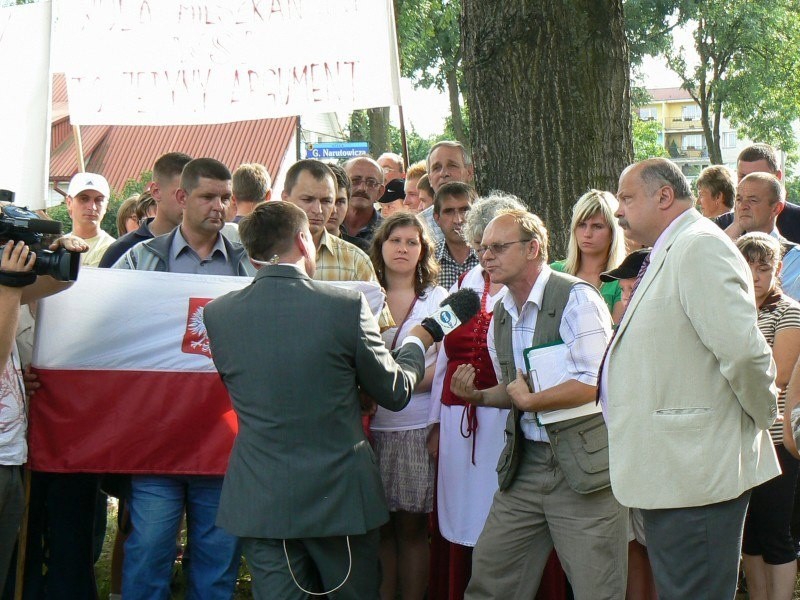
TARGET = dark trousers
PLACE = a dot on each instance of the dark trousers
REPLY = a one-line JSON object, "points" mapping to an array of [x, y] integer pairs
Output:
{"points": [[767, 525], [59, 563], [695, 551], [317, 564]]}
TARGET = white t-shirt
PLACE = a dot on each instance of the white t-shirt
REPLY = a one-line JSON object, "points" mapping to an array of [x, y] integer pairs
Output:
{"points": [[13, 420], [415, 414]]}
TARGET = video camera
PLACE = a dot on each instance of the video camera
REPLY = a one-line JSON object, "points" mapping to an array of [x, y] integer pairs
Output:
{"points": [[20, 224]]}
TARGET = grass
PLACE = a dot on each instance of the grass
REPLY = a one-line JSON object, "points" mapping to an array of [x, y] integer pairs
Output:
{"points": [[103, 567]]}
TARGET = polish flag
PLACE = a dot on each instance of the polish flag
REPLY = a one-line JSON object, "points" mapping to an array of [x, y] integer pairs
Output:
{"points": [[128, 384]]}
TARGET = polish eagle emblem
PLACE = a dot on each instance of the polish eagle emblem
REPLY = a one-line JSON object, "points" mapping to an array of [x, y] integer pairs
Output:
{"points": [[195, 339]]}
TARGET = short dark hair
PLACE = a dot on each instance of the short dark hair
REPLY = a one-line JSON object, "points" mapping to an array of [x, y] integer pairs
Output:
{"points": [[718, 179], [169, 165], [342, 180], [251, 182], [318, 170], [145, 203], [210, 168], [660, 172], [457, 189], [271, 229], [424, 184], [756, 152]]}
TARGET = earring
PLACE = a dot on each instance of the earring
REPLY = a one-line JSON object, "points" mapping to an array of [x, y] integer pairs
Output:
{"points": [[419, 272]]}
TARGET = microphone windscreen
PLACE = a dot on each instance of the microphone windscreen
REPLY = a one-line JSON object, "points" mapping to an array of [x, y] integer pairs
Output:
{"points": [[465, 303]]}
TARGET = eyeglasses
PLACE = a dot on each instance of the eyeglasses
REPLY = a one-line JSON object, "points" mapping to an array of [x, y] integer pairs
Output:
{"points": [[370, 184], [498, 248]]}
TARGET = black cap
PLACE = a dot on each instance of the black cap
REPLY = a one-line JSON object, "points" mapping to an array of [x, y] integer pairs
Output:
{"points": [[629, 268], [395, 190]]}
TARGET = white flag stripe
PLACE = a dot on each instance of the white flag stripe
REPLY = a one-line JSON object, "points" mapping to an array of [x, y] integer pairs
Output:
{"points": [[134, 320]]}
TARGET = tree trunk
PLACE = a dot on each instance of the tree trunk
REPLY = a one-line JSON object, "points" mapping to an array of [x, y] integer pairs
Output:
{"points": [[455, 107], [379, 141], [549, 96]]}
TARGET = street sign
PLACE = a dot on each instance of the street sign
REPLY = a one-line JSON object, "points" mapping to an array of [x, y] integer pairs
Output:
{"points": [[328, 150]]}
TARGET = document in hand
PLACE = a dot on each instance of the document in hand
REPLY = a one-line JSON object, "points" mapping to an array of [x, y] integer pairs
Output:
{"points": [[546, 369]]}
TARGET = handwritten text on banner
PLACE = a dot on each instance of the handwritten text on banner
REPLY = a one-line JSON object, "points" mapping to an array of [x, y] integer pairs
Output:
{"points": [[133, 62]]}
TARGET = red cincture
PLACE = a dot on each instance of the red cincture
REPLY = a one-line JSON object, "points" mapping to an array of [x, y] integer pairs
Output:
{"points": [[467, 345]]}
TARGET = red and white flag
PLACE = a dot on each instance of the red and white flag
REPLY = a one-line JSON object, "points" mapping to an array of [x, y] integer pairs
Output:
{"points": [[128, 385]]}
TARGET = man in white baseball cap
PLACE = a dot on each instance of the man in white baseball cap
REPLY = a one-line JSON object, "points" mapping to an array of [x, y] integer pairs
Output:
{"points": [[87, 201]]}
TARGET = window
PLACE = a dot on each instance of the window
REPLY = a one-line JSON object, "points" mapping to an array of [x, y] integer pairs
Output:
{"points": [[648, 114], [692, 142], [729, 139], [691, 112]]}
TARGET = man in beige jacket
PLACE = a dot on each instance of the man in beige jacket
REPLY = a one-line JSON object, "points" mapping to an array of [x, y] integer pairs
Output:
{"points": [[688, 387]]}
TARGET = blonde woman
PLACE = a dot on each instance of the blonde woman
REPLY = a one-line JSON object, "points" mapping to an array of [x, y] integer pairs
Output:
{"points": [[596, 245]]}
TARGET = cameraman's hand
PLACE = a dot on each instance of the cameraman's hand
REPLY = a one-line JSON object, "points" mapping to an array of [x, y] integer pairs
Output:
{"points": [[70, 242], [17, 258]]}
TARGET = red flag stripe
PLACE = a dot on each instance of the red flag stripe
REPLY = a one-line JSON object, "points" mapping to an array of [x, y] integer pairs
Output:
{"points": [[174, 422]]}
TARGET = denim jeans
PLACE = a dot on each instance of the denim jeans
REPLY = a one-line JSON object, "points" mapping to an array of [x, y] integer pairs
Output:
{"points": [[156, 507]]}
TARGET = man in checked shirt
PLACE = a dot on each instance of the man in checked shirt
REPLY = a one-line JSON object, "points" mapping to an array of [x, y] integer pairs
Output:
{"points": [[311, 186]]}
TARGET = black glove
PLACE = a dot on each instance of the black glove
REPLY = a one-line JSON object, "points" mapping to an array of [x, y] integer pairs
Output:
{"points": [[454, 310]]}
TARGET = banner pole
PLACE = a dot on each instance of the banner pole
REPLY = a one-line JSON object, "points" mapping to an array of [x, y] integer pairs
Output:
{"points": [[403, 141], [22, 538], [76, 133]]}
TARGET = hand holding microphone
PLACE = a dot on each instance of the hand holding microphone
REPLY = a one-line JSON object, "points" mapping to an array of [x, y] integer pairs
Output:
{"points": [[454, 310]]}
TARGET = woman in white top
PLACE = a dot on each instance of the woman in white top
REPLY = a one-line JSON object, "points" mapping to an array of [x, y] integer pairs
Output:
{"points": [[403, 256]]}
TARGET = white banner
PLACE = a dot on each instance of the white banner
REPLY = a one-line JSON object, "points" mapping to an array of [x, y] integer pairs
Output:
{"points": [[25, 102], [172, 62], [139, 320]]}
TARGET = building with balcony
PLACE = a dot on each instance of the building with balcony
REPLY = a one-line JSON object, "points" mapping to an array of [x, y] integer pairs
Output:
{"points": [[682, 131]]}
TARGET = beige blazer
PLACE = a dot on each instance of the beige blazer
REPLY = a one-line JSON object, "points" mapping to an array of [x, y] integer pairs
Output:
{"points": [[691, 381]]}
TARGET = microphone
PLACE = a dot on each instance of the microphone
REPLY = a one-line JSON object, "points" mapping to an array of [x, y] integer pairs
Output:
{"points": [[459, 307]]}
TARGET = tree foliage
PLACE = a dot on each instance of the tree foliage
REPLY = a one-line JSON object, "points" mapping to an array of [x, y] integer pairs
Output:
{"points": [[358, 130], [747, 65], [647, 139], [430, 50]]}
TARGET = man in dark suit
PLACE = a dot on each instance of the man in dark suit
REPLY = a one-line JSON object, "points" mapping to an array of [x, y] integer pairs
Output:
{"points": [[761, 158], [302, 488]]}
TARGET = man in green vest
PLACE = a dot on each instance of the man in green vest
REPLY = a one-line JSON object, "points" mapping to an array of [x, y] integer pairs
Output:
{"points": [[548, 337]]}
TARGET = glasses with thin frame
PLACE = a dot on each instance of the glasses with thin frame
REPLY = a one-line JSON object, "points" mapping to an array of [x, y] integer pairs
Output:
{"points": [[499, 248], [369, 183]]}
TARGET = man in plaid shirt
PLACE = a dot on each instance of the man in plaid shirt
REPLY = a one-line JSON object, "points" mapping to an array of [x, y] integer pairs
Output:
{"points": [[450, 206]]}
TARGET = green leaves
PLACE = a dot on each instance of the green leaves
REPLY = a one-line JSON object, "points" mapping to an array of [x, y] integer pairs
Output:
{"points": [[745, 60]]}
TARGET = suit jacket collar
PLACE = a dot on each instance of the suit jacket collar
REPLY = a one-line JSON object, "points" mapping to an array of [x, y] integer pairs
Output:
{"points": [[657, 258], [285, 271]]}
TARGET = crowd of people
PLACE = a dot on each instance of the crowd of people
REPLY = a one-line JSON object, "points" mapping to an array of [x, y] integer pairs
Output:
{"points": [[616, 423]]}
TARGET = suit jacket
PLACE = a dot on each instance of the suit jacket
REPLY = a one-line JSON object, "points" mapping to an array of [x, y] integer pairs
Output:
{"points": [[691, 381], [292, 353]]}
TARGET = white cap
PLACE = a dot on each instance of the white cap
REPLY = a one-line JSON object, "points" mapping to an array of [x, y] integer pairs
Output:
{"points": [[88, 181]]}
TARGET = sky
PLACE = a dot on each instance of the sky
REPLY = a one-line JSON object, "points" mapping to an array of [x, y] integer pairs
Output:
{"points": [[424, 110]]}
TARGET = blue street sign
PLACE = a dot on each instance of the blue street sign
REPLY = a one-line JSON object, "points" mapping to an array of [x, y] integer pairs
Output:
{"points": [[327, 150]]}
